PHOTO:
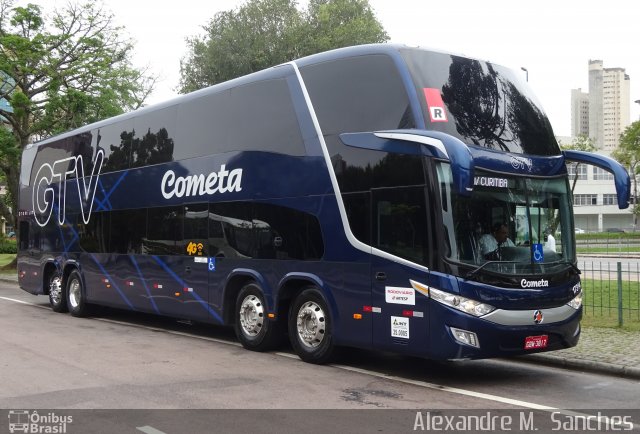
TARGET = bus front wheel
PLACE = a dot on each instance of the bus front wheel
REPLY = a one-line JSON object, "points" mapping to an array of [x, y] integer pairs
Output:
{"points": [[76, 299], [254, 330], [310, 327]]}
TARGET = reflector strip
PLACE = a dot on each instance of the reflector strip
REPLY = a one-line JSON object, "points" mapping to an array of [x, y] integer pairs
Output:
{"points": [[413, 314], [367, 309], [357, 316], [376, 310]]}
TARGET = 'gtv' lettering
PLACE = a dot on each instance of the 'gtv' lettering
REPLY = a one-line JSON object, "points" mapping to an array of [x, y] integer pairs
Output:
{"points": [[44, 194]]}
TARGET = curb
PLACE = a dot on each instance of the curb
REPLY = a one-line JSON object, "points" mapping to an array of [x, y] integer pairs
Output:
{"points": [[631, 372]]}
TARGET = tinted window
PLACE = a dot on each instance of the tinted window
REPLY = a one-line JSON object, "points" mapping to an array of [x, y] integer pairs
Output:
{"points": [[253, 117], [231, 230], [23, 236], [284, 233], [263, 119], [115, 140], [154, 137], [358, 208], [354, 95], [485, 104], [164, 231], [195, 223], [203, 126], [399, 222], [128, 230], [358, 94], [94, 236]]}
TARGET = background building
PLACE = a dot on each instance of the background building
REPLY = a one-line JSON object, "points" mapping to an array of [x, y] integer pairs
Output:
{"points": [[602, 114], [579, 113], [609, 104]]}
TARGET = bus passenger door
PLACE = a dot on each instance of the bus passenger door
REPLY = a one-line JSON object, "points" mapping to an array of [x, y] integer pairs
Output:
{"points": [[399, 232], [195, 272]]}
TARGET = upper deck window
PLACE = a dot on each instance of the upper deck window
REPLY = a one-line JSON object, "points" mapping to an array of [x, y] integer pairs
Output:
{"points": [[363, 93], [480, 103]]}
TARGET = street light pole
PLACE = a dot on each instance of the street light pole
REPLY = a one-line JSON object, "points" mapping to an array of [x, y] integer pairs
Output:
{"points": [[527, 73]]}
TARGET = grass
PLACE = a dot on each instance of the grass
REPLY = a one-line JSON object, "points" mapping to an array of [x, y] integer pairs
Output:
{"points": [[610, 249], [6, 258], [600, 303]]}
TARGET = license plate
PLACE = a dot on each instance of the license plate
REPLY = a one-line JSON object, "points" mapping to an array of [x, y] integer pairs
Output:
{"points": [[535, 342]]}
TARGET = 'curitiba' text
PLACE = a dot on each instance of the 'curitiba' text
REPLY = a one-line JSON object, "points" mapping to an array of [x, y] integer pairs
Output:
{"points": [[199, 185]]}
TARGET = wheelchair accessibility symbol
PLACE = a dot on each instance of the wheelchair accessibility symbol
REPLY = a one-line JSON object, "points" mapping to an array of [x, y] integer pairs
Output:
{"points": [[538, 255], [212, 264]]}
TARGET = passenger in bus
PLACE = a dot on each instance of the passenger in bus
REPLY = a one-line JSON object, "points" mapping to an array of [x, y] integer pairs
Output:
{"points": [[490, 244], [550, 241]]}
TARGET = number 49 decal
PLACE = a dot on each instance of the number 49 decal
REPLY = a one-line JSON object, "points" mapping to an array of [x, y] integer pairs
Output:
{"points": [[194, 248]]}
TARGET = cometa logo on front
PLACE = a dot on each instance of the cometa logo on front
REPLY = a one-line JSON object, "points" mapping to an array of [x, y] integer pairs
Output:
{"points": [[542, 283]]}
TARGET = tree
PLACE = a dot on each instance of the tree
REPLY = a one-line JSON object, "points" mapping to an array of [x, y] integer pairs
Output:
{"points": [[579, 143], [60, 72], [264, 33], [628, 154]]}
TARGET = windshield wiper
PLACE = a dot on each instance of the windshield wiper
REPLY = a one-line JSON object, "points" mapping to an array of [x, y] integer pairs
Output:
{"points": [[476, 270], [565, 262]]}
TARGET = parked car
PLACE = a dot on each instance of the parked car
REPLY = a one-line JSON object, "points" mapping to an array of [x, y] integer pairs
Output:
{"points": [[580, 231], [615, 230]]}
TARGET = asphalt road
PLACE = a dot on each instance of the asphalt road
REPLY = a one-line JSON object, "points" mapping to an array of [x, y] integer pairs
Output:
{"points": [[140, 373]]}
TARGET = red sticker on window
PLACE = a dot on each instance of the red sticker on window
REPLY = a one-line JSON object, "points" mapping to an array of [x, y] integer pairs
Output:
{"points": [[435, 105]]}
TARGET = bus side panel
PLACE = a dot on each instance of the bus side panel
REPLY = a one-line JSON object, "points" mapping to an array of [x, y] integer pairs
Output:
{"points": [[402, 325]]}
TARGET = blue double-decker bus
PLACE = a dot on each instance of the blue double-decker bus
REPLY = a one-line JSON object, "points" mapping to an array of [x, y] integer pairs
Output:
{"points": [[379, 197]]}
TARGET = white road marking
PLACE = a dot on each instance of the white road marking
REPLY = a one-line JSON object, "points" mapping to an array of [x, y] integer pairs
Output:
{"points": [[24, 302], [149, 430]]}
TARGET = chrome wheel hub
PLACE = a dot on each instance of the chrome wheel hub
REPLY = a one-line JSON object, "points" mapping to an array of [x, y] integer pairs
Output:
{"points": [[251, 315], [55, 289], [311, 324], [74, 293]]}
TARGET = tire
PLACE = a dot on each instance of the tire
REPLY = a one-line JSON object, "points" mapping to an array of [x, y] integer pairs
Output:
{"points": [[254, 330], [310, 328], [76, 296], [57, 293]]}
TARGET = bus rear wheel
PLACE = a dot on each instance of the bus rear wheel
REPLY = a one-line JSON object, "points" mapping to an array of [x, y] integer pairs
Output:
{"points": [[254, 330], [76, 299], [310, 328], [57, 295]]}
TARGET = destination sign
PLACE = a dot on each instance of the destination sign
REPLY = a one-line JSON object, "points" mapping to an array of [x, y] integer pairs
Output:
{"points": [[488, 181]]}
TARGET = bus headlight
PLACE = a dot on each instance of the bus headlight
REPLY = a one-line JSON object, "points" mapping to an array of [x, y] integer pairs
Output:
{"points": [[576, 302], [463, 304]]}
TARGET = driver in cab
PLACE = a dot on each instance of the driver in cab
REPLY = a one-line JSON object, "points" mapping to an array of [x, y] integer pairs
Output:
{"points": [[490, 244]]}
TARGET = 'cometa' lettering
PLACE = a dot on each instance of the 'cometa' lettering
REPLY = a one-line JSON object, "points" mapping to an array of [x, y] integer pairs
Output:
{"points": [[542, 283], [222, 181]]}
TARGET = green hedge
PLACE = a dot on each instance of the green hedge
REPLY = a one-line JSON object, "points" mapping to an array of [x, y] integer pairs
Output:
{"points": [[8, 246]]}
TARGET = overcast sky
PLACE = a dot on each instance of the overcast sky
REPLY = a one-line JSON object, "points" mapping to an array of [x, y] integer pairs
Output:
{"points": [[553, 40]]}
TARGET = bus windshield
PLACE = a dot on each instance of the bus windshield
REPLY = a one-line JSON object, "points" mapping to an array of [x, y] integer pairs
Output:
{"points": [[509, 224]]}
